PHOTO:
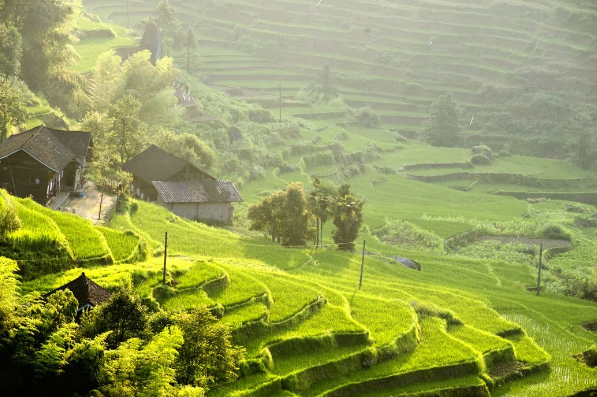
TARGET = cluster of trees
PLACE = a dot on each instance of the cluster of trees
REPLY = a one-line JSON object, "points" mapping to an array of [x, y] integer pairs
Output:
{"points": [[126, 347], [292, 217], [539, 124], [174, 35]]}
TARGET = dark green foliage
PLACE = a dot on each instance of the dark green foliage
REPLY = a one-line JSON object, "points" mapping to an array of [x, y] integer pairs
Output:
{"points": [[590, 356], [320, 200], [10, 51], [207, 355], [480, 159], [285, 215], [443, 126], [190, 43], [12, 108], [128, 133], [556, 232], [367, 118], [188, 147], [9, 220], [347, 212], [124, 315]]}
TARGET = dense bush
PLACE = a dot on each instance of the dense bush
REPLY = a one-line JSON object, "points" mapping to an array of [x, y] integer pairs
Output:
{"points": [[480, 159], [367, 118]]}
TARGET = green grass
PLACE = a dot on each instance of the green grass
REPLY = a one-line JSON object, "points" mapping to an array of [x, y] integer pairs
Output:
{"points": [[122, 244], [85, 241]]}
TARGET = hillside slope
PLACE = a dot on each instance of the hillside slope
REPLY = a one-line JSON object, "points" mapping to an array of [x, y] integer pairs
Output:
{"points": [[458, 325]]}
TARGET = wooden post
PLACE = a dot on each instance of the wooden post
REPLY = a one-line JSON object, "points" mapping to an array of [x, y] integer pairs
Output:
{"points": [[99, 215], [165, 256], [362, 265], [539, 275]]}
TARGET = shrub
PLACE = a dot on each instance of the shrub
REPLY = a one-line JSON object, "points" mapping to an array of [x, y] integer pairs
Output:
{"points": [[505, 152], [482, 149], [555, 232], [367, 118], [9, 221], [480, 159]]}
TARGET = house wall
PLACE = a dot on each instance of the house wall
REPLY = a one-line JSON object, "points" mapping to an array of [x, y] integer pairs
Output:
{"points": [[23, 176], [143, 190], [218, 212]]}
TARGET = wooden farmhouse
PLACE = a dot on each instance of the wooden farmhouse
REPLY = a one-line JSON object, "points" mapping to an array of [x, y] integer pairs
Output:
{"points": [[87, 292], [42, 162], [181, 187]]}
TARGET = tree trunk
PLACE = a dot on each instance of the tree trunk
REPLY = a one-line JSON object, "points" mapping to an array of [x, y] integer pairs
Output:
{"points": [[317, 237]]}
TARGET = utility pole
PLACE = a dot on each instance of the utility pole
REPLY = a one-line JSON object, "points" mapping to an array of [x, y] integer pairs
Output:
{"points": [[362, 265], [165, 256], [99, 215], [280, 102], [539, 275]]}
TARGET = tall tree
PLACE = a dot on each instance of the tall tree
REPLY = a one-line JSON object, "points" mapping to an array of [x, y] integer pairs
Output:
{"points": [[319, 202], [326, 84], [128, 135], [443, 126], [296, 226], [207, 355], [43, 27], [347, 217], [12, 109], [10, 52], [124, 314], [190, 44], [285, 214], [267, 214]]}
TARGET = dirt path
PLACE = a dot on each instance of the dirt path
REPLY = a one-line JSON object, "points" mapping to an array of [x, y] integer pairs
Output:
{"points": [[88, 206], [547, 243]]}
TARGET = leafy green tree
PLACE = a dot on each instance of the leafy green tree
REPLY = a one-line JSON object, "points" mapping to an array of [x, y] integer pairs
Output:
{"points": [[347, 217], [267, 214], [443, 126], [319, 201], [107, 82], [11, 50], [166, 18], [43, 28], [124, 315], [190, 44], [326, 84], [142, 369], [188, 147], [296, 222], [128, 134], [9, 297], [583, 131], [285, 214], [12, 109], [207, 355]]}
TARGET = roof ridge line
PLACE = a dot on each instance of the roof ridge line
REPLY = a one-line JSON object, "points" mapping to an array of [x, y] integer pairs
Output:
{"points": [[33, 135]]}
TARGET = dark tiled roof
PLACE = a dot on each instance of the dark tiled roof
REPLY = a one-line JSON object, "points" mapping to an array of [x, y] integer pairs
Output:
{"points": [[198, 191], [53, 148], [154, 164], [85, 290]]}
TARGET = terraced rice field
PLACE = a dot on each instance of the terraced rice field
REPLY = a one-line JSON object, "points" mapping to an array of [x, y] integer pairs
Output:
{"points": [[459, 325], [392, 56], [71, 235]]}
